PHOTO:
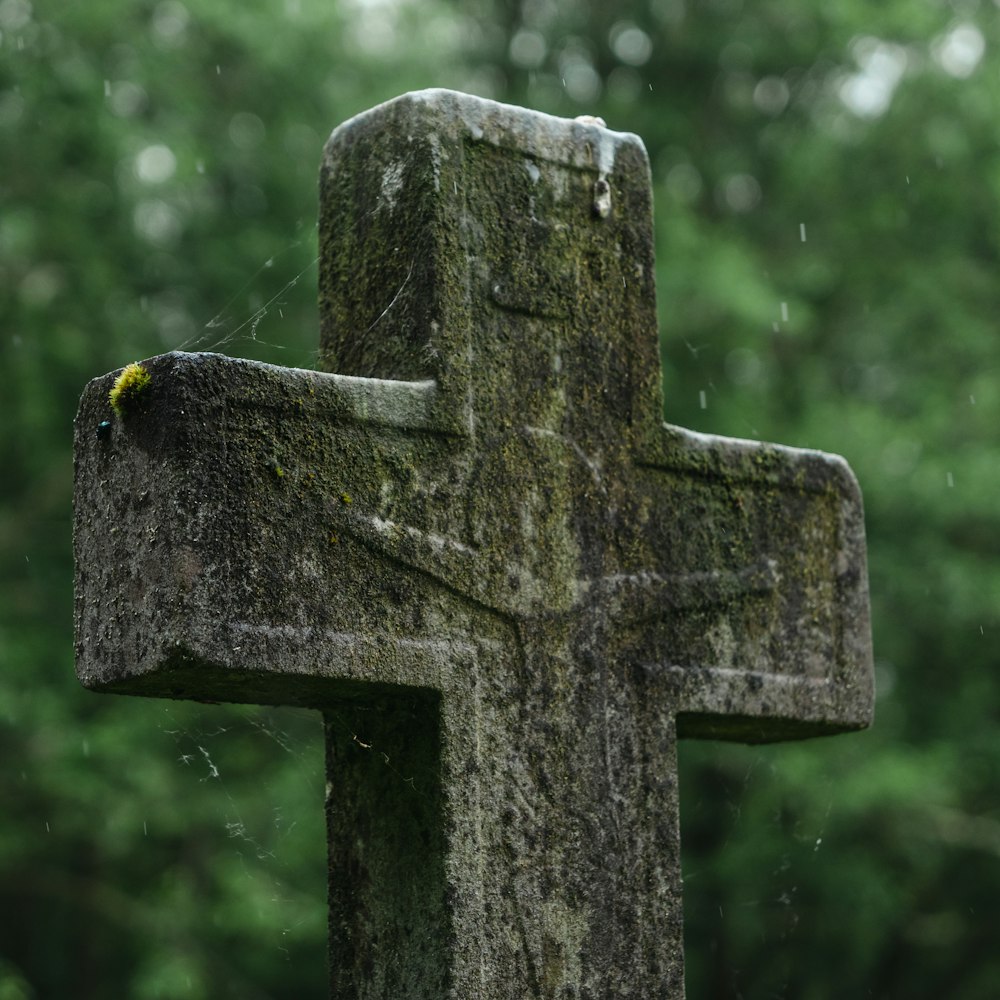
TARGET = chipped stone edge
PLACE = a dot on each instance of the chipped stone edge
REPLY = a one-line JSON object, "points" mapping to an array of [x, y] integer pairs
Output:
{"points": [[533, 133]]}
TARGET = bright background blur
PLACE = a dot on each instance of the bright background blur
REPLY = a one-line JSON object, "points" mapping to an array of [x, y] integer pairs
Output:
{"points": [[827, 183]]}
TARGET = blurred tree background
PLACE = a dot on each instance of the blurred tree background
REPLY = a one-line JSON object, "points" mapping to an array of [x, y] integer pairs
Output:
{"points": [[827, 183]]}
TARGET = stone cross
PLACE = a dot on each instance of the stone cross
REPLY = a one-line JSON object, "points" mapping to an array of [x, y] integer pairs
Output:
{"points": [[479, 551]]}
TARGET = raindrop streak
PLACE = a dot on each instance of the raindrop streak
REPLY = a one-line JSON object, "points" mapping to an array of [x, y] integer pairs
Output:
{"points": [[784, 312], [802, 231], [951, 480], [702, 401]]}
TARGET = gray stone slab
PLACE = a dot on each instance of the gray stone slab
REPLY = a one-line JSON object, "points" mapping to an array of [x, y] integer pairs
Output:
{"points": [[479, 551]]}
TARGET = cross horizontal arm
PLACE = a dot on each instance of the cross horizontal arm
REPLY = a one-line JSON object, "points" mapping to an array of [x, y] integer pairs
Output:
{"points": [[784, 649], [211, 563]]}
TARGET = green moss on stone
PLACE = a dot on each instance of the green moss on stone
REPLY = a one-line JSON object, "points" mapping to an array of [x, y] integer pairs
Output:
{"points": [[130, 384]]}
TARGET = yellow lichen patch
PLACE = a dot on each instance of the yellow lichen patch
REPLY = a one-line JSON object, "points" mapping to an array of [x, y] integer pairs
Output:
{"points": [[129, 384]]}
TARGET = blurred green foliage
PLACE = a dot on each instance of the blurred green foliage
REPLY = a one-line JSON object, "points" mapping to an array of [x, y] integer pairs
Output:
{"points": [[827, 182]]}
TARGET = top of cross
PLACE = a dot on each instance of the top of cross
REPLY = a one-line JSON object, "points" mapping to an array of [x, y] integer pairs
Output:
{"points": [[442, 212]]}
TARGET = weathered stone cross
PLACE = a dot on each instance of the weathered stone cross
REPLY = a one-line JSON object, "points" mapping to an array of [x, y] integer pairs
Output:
{"points": [[478, 550]]}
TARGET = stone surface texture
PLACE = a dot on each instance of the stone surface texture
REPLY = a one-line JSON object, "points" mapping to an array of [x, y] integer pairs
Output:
{"points": [[479, 551]]}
